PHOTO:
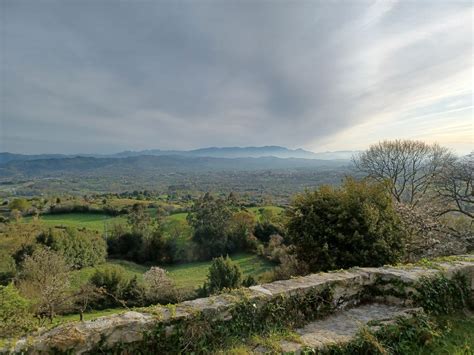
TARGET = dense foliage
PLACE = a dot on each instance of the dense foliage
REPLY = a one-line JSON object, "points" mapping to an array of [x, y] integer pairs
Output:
{"points": [[354, 225], [15, 316], [113, 281], [142, 241], [220, 228], [80, 248]]}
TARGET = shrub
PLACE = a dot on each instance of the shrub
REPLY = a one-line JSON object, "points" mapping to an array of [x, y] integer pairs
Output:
{"points": [[134, 294], [263, 231], [289, 266], [276, 249], [15, 317], [223, 273], [126, 246], [142, 248], [113, 280], [441, 295], [158, 286], [355, 225]]}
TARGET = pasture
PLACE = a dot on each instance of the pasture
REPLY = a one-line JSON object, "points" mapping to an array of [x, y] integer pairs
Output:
{"points": [[188, 275]]}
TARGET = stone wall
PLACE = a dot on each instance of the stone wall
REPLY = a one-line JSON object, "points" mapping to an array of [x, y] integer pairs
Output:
{"points": [[392, 285]]}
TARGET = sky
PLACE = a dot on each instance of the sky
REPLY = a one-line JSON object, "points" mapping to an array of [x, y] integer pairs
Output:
{"points": [[102, 76]]}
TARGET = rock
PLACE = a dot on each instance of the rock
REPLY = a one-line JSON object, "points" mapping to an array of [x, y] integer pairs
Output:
{"points": [[393, 285], [343, 326]]}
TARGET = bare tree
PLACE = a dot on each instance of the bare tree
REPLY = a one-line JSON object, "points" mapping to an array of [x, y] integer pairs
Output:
{"points": [[44, 278], [428, 235], [454, 187], [409, 167]]}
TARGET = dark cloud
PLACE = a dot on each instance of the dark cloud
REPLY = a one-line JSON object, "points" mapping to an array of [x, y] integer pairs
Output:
{"points": [[87, 76]]}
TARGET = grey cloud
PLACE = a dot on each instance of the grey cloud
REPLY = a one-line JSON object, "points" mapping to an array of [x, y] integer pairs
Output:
{"points": [[180, 74]]}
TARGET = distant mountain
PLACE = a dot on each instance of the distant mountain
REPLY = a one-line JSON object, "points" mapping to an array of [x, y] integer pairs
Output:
{"points": [[244, 152], [8, 157], [212, 152]]}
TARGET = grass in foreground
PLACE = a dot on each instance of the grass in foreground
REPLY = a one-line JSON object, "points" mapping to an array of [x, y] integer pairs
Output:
{"points": [[194, 274], [189, 275], [457, 337]]}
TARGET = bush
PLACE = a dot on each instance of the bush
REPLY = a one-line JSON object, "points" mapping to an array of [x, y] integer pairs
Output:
{"points": [[134, 294], [263, 231], [141, 248], [275, 249], [113, 280], [15, 318], [158, 286], [223, 273], [126, 246], [355, 225], [289, 266]]}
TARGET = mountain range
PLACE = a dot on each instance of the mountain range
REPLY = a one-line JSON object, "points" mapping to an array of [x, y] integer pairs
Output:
{"points": [[212, 152]]}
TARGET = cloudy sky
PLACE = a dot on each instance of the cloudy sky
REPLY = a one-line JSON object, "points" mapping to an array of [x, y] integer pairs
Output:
{"points": [[103, 76]]}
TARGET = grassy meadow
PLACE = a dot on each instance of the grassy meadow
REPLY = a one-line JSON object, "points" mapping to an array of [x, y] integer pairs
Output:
{"points": [[188, 275]]}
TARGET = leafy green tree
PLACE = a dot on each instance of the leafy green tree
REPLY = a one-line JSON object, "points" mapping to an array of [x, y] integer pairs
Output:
{"points": [[210, 219], [80, 248], [19, 204], [240, 228], [15, 316], [126, 246], [355, 225], [223, 273], [140, 220], [154, 248]]}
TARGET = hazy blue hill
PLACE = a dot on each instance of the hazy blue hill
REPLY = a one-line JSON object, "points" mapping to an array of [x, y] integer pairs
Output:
{"points": [[227, 152], [6, 157], [212, 152]]}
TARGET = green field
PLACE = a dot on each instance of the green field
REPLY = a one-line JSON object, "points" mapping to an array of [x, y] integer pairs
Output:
{"points": [[256, 210], [97, 221], [79, 220], [189, 275], [88, 220], [194, 274]]}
